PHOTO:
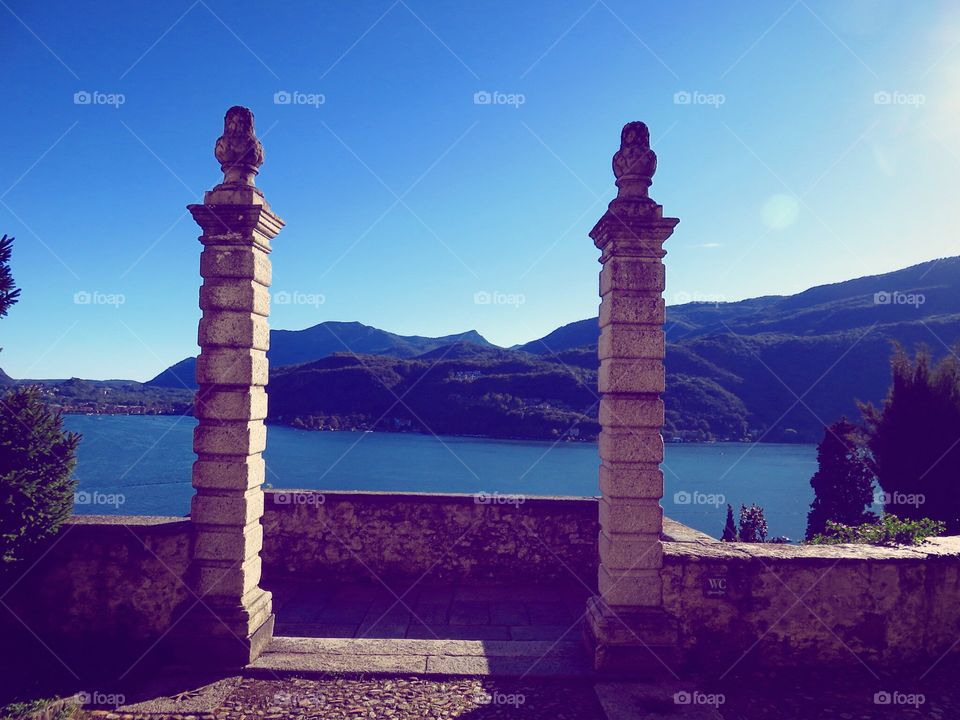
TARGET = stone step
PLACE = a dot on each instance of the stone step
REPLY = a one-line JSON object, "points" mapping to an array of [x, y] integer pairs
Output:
{"points": [[488, 658]]}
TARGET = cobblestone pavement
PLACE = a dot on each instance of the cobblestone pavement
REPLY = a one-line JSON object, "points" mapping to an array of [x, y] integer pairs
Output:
{"points": [[398, 699], [847, 694]]}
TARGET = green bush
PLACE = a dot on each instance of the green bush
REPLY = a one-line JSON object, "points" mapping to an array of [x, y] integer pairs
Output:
{"points": [[888, 530], [753, 524], [843, 483], [913, 438], [36, 461]]}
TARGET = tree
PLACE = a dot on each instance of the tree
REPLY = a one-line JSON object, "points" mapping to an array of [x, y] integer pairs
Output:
{"points": [[36, 456], [36, 462], [9, 293], [730, 529], [843, 483], [753, 525], [913, 439]]}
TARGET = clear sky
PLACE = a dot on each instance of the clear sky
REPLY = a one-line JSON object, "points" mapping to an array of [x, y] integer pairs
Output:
{"points": [[821, 141]]}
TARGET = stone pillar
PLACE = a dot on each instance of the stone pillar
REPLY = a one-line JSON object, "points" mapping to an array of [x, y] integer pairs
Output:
{"points": [[629, 631], [234, 620]]}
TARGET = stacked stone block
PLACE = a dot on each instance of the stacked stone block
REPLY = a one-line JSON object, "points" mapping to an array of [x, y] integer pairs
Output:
{"points": [[626, 616], [233, 613]]}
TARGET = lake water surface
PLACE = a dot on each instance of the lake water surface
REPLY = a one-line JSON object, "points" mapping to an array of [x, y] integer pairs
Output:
{"points": [[141, 466]]}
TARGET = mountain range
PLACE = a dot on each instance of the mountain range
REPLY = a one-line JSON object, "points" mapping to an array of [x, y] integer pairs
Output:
{"points": [[775, 368]]}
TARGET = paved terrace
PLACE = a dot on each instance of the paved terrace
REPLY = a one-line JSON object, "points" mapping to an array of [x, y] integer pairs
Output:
{"points": [[466, 611]]}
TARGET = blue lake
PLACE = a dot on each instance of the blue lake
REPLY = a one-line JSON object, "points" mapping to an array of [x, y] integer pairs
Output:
{"points": [[141, 466]]}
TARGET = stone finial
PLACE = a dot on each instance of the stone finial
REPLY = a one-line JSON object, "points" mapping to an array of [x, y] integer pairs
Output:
{"points": [[238, 149], [634, 163]]}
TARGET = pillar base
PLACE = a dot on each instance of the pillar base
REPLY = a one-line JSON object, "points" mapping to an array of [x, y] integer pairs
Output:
{"points": [[222, 636], [635, 643]]}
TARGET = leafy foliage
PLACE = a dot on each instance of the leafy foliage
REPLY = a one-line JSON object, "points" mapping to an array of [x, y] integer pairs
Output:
{"points": [[52, 708], [730, 528], [843, 484], [913, 438], [36, 461], [9, 293], [888, 530], [753, 524]]}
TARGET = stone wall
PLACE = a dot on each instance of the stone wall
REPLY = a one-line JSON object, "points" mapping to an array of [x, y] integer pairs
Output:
{"points": [[104, 582], [116, 583], [345, 536], [740, 603]]}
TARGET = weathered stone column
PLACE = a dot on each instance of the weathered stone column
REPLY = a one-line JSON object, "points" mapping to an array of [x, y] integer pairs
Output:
{"points": [[234, 621], [629, 630]]}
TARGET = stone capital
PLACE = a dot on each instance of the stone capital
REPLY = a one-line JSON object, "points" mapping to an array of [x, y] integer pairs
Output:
{"points": [[242, 225], [619, 233]]}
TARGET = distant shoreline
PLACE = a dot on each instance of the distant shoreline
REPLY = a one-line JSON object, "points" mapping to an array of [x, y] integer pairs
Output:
{"points": [[568, 439]]}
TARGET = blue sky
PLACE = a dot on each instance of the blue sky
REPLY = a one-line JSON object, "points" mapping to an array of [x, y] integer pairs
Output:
{"points": [[820, 143]]}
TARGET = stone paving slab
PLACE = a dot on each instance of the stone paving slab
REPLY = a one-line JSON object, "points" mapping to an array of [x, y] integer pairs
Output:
{"points": [[538, 658], [459, 632], [546, 632], [482, 611], [273, 663]]}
